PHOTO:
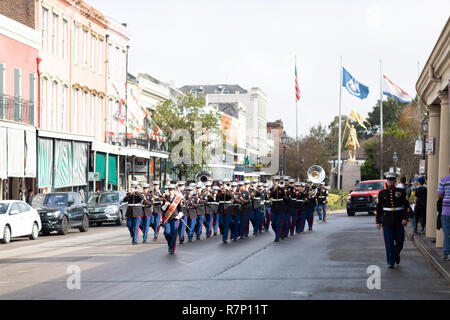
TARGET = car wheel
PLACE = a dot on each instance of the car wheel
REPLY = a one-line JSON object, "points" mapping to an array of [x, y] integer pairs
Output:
{"points": [[350, 213], [34, 232], [6, 235], [85, 226], [64, 229], [119, 221]]}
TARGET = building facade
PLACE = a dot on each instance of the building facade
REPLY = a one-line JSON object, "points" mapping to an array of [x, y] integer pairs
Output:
{"points": [[433, 90], [19, 52]]}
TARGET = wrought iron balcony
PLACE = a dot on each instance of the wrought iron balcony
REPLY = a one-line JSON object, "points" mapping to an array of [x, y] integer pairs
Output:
{"points": [[120, 139], [16, 109]]}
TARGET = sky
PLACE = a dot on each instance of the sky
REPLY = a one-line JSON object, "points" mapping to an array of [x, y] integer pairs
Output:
{"points": [[254, 43]]}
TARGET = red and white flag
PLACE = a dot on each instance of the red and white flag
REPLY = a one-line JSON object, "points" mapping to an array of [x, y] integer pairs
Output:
{"points": [[297, 88]]}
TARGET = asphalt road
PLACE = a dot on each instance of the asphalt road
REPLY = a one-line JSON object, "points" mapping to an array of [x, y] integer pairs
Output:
{"points": [[329, 262]]}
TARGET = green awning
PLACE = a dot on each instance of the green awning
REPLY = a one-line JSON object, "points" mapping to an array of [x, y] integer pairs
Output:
{"points": [[100, 164], [112, 170], [63, 164], [45, 161]]}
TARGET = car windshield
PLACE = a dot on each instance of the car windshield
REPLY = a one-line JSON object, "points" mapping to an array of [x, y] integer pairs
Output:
{"points": [[55, 200], [93, 198], [3, 207], [369, 186], [109, 198]]}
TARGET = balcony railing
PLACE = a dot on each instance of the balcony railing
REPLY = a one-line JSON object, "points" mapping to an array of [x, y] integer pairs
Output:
{"points": [[119, 139], [16, 109]]}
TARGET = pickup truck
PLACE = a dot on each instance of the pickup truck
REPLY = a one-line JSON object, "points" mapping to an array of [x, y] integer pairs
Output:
{"points": [[364, 197]]}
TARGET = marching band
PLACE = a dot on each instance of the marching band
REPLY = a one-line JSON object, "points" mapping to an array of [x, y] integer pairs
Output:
{"points": [[228, 208]]}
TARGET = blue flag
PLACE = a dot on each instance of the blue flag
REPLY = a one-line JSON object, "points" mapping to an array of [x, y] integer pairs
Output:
{"points": [[354, 87]]}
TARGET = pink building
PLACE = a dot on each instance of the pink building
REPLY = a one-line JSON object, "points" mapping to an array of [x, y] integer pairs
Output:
{"points": [[18, 70]]}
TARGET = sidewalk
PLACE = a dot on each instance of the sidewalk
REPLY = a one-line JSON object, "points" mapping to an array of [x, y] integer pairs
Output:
{"points": [[429, 251]]}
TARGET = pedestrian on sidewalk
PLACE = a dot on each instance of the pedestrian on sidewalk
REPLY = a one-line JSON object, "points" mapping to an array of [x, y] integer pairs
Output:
{"points": [[420, 207], [443, 193], [392, 214]]}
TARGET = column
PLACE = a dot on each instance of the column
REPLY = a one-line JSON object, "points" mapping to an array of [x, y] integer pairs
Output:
{"points": [[432, 172], [444, 151]]}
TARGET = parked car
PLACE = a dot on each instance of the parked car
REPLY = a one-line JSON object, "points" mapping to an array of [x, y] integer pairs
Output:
{"points": [[107, 207], [364, 197], [61, 211], [18, 219]]}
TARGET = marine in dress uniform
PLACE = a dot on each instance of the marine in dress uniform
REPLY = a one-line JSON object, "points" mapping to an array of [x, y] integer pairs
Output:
{"points": [[171, 222], [392, 214], [310, 205], [209, 209], [276, 193], [192, 203], [201, 210], [220, 217], [301, 208], [215, 223], [292, 206], [225, 209], [182, 228], [285, 214], [267, 207], [322, 196], [148, 212], [135, 210], [256, 216], [235, 217], [157, 209], [246, 208]]}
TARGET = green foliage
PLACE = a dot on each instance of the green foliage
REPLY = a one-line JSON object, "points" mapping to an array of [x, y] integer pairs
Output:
{"points": [[182, 114], [392, 110], [371, 169]]}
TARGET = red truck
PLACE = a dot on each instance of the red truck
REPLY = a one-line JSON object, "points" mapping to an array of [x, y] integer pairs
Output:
{"points": [[364, 197]]}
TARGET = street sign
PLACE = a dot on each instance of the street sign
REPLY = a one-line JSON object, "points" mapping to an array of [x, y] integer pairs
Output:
{"points": [[418, 147], [429, 145], [94, 176], [422, 166]]}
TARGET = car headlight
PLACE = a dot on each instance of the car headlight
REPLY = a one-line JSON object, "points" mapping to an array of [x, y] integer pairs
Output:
{"points": [[375, 198], [53, 214], [111, 209], [349, 198]]}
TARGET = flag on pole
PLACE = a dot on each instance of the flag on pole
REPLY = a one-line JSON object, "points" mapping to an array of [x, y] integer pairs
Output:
{"points": [[358, 118], [297, 88], [354, 87], [392, 90]]}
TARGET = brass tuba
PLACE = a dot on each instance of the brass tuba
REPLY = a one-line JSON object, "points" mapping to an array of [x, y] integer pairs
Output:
{"points": [[203, 177], [316, 174]]}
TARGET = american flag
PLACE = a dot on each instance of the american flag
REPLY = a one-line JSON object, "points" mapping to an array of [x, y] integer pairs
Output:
{"points": [[297, 89]]}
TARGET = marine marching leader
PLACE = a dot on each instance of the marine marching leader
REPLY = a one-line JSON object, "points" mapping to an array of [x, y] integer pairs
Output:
{"points": [[228, 208]]}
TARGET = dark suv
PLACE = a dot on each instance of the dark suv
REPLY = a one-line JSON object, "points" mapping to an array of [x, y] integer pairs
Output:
{"points": [[107, 207], [61, 211]]}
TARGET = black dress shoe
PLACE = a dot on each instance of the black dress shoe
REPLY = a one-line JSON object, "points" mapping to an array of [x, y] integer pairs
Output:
{"points": [[391, 266], [134, 243], [277, 240], [225, 241], [145, 241], [397, 261]]}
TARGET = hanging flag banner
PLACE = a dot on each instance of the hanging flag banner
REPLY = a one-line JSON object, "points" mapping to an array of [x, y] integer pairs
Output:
{"points": [[354, 87], [392, 90]]}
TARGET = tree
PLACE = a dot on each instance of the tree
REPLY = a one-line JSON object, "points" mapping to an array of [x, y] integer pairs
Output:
{"points": [[182, 114], [392, 110]]}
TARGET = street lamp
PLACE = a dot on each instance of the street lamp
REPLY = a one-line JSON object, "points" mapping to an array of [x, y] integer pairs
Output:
{"points": [[395, 159], [284, 139], [424, 125]]}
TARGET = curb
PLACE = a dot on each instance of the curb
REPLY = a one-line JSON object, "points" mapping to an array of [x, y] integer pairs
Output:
{"points": [[428, 256]]}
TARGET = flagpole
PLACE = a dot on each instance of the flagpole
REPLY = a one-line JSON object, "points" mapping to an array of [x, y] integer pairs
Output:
{"points": [[339, 124], [296, 110], [381, 122]]}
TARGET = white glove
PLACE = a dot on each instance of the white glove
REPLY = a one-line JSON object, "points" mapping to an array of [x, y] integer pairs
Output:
{"points": [[179, 216]]}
